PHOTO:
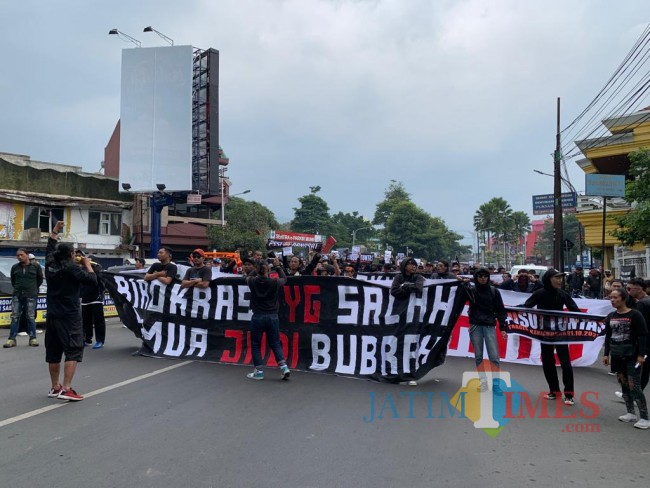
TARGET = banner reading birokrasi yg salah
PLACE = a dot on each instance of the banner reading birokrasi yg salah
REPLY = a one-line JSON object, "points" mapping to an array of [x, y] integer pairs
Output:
{"points": [[328, 324]]}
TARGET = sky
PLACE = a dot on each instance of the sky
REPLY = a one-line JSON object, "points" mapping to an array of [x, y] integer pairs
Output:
{"points": [[455, 99]]}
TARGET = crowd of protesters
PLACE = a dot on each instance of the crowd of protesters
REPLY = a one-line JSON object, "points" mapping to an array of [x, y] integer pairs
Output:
{"points": [[74, 287], [626, 328]]}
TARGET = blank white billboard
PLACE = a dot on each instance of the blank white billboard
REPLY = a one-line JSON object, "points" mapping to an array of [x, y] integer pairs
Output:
{"points": [[156, 118]]}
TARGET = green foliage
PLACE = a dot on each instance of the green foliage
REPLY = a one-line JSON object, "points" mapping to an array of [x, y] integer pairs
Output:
{"points": [[394, 195], [635, 225], [247, 226], [544, 242], [494, 217], [499, 225], [346, 223], [571, 229], [312, 217], [411, 227], [519, 225], [405, 225]]}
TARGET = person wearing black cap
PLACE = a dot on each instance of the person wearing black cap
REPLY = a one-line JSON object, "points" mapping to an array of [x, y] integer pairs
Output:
{"points": [[554, 297], [485, 308], [406, 282]]}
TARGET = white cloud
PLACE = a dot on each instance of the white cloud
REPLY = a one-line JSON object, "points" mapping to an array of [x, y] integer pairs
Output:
{"points": [[454, 98]]}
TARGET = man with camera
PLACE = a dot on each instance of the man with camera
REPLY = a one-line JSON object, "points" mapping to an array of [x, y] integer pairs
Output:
{"points": [[63, 328]]}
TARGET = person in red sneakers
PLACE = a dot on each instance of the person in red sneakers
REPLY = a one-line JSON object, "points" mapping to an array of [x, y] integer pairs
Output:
{"points": [[63, 327]]}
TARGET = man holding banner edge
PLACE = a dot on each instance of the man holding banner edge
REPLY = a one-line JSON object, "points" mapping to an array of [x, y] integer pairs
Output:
{"points": [[554, 297]]}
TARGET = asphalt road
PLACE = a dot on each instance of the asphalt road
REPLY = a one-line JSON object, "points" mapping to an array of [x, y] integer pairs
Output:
{"points": [[161, 423]]}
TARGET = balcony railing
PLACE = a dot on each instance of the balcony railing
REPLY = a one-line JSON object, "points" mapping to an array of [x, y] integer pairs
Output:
{"points": [[590, 204]]}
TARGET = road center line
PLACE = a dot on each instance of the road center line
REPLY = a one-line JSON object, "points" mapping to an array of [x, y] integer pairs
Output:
{"points": [[60, 403]]}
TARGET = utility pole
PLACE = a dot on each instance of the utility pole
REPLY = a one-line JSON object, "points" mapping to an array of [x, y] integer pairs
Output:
{"points": [[558, 238]]}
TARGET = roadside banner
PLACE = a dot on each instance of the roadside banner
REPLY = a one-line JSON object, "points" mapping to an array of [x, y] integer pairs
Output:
{"points": [[41, 309]]}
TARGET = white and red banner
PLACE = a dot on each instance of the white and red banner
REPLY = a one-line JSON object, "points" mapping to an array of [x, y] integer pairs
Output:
{"points": [[519, 348], [585, 335], [280, 238]]}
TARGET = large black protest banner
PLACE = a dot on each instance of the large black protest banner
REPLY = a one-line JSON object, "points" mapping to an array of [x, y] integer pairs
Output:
{"points": [[327, 324]]}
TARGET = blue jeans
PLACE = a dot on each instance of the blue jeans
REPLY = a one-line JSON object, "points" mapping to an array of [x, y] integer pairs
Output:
{"points": [[270, 324], [480, 334], [20, 305]]}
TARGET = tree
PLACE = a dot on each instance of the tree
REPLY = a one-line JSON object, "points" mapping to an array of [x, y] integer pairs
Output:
{"points": [[485, 221], [247, 226], [635, 225], [571, 229], [394, 195], [411, 227], [520, 224], [544, 243], [312, 217], [495, 219], [346, 223]]}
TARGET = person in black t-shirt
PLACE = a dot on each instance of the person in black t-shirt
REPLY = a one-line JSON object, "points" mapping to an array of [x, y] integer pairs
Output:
{"points": [[636, 290], [164, 271], [63, 328], [625, 341], [265, 296], [199, 275]]}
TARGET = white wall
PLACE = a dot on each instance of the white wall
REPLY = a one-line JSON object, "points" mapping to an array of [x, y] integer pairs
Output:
{"points": [[106, 243]]}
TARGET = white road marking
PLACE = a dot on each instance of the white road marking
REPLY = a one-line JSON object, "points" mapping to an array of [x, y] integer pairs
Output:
{"points": [[60, 403]]}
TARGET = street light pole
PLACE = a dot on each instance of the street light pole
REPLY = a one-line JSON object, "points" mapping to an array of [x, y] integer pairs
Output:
{"points": [[558, 238], [223, 206], [223, 200], [354, 234]]}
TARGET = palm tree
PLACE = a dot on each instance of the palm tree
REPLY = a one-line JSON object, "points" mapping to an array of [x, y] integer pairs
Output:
{"points": [[484, 220], [494, 217], [520, 226]]}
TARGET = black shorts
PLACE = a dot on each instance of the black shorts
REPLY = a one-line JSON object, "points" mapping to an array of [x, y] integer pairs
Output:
{"points": [[63, 336]]}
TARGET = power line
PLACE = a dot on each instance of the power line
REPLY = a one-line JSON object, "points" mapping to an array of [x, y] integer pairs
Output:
{"points": [[641, 40], [628, 77]]}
